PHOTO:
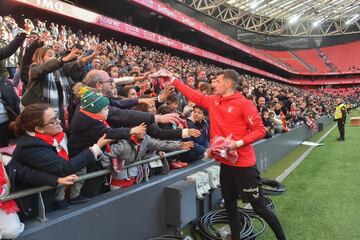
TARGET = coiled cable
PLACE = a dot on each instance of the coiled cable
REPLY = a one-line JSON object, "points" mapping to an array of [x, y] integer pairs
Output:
{"points": [[208, 231], [172, 237], [269, 203], [272, 187]]}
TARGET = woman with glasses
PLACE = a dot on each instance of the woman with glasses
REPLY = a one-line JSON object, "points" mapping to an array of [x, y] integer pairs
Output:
{"points": [[50, 81], [43, 144]]}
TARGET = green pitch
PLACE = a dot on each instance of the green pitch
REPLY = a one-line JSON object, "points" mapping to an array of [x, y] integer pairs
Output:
{"points": [[322, 201]]}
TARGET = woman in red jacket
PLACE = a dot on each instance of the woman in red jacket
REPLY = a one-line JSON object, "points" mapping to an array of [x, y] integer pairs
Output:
{"points": [[231, 113]]}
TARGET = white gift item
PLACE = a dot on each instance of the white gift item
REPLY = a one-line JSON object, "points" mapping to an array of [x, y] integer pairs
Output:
{"points": [[217, 177], [205, 179], [223, 153], [213, 177], [198, 183]]}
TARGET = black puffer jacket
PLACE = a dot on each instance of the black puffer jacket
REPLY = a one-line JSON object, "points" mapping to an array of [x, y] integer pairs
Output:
{"points": [[9, 98]]}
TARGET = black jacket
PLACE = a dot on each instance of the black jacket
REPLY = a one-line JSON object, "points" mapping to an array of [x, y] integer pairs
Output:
{"points": [[23, 175], [85, 131], [119, 116], [9, 98], [128, 118], [35, 153], [26, 62], [264, 109], [154, 131], [123, 103], [11, 48]]}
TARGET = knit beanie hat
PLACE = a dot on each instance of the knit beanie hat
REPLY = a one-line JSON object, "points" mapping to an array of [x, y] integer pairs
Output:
{"points": [[92, 102]]}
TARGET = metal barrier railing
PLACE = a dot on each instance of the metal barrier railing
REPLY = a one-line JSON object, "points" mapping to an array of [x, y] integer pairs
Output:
{"points": [[39, 190]]}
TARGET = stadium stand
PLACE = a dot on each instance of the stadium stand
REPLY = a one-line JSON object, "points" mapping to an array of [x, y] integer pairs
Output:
{"points": [[289, 59], [338, 58], [311, 56], [344, 56]]}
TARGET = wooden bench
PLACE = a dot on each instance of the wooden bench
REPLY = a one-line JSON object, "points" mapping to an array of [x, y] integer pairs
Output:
{"points": [[355, 121]]}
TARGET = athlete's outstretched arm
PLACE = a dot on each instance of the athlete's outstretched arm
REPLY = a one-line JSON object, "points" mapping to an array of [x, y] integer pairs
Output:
{"points": [[193, 95]]}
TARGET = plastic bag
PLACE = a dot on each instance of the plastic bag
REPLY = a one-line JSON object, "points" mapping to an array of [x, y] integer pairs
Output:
{"points": [[163, 76], [219, 147]]}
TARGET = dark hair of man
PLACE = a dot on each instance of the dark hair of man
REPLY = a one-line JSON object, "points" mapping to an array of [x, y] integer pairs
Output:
{"points": [[231, 75]]}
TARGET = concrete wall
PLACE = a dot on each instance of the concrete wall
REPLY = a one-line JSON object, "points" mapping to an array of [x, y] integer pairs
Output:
{"points": [[138, 212]]}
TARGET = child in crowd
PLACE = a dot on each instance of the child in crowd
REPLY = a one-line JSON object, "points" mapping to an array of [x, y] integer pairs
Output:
{"points": [[275, 119], [88, 124], [270, 130], [197, 120], [138, 147]]}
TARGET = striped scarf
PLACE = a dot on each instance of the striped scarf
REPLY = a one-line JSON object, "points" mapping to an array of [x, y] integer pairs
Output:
{"points": [[58, 141], [55, 80]]}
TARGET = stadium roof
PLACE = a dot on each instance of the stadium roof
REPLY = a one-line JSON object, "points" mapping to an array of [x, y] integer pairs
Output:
{"points": [[285, 17]]}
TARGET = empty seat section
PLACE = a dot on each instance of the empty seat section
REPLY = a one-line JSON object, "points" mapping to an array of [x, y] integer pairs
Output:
{"points": [[344, 56], [311, 56], [289, 59]]}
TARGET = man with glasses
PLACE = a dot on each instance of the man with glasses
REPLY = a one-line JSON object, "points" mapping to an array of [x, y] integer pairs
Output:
{"points": [[119, 117], [100, 81]]}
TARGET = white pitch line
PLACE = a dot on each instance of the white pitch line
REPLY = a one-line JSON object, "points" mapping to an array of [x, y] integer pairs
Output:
{"points": [[292, 167]]}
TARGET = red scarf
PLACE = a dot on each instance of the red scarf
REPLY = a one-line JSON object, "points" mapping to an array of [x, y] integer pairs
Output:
{"points": [[283, 120], [58, 141], [9, 206], [99, 118]]}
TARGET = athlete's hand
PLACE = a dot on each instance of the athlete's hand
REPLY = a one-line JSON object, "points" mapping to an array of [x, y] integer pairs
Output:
{"points": [[232, 145]]}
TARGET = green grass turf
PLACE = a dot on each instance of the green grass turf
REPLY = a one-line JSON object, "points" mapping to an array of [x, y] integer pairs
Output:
{"points": [[322, 195]]}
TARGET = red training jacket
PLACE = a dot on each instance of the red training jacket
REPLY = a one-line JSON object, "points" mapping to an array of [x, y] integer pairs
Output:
{"points": [[234, 115]]}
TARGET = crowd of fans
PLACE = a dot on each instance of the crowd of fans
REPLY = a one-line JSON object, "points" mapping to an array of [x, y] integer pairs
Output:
{"points": [[80, 104]]}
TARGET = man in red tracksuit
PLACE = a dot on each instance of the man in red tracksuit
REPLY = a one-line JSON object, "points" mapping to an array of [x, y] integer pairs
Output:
{"points": [[231, 113]]}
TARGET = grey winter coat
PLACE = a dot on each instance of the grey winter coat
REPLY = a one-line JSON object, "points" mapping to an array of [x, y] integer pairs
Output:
{"points": [[125, 150]]}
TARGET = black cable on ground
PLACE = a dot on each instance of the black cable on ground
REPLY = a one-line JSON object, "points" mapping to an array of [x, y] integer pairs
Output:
{"points": [[269, 203], [206, 225], [172, 237], [272, 187]]}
